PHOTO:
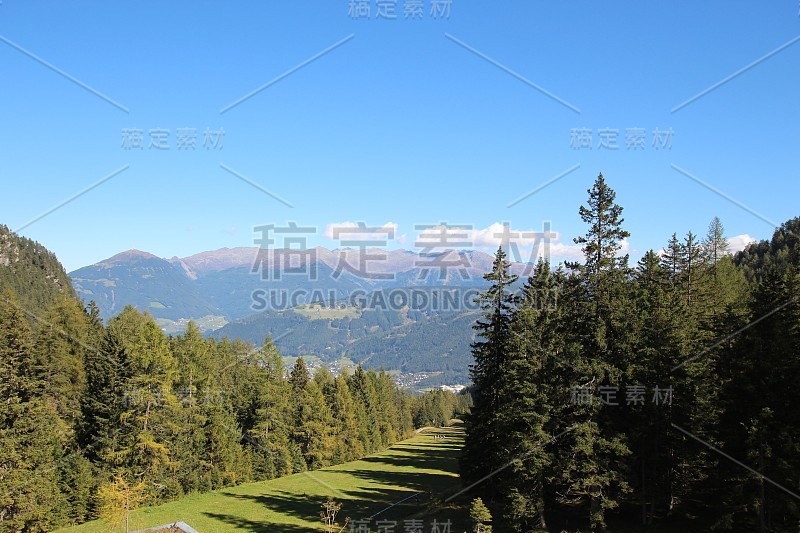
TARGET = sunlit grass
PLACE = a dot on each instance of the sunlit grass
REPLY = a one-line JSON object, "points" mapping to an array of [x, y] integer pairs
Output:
{"points": [[422, 464]]}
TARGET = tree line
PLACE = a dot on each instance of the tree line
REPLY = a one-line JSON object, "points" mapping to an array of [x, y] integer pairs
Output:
{"points": [[94, 416], [662, 392]]}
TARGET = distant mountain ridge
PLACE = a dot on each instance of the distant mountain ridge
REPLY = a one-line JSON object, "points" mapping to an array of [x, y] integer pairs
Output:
{"points": [[144, 281], [397, 261], [221, 282]]}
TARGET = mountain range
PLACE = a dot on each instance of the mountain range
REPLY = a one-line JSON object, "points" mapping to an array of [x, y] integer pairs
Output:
{"points": [[222, 282], [399, 309]]}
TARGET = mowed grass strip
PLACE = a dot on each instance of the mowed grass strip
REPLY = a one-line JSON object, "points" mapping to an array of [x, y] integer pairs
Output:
{"points": [[423, 464]]}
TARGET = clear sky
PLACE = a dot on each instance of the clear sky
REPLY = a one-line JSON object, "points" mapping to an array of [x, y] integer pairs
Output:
{"points": [[415, 120]]}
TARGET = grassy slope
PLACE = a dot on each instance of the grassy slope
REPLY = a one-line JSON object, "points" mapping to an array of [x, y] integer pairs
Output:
{"points": [[365, 487]]}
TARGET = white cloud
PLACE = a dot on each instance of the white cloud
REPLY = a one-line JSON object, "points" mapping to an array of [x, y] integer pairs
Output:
{"points": [[740, 242], [527, 244], [574, 252], [490, 237], [569, 252], [626, 247]]}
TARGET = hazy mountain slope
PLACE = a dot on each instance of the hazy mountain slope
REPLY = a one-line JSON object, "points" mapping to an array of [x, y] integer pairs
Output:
{"points": [[439, 344], [402, 340], [238, 292], [261, 301], [223, 282], [143, 281]]}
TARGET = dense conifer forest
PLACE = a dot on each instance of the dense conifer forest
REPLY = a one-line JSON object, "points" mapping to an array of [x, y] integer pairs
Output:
{"points": [[658, 392]]}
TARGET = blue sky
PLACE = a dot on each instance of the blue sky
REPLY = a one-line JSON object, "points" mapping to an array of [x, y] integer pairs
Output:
{"points": [[399, 123]]}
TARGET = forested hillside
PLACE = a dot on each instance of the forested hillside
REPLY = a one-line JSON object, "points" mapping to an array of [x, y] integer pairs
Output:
{"points": [[93, 413], [31, 271], [655, 393], [406, 340]]}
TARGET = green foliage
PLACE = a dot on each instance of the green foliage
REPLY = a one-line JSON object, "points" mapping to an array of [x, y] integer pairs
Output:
{"points": [[91, 414], [494, 333], [480, 516], [32, 273], [117, 499], [411, 341], [719, 332], [83, 404], [347, 444]]}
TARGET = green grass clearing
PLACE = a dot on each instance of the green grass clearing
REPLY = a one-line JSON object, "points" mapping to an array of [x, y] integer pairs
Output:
{"points": [[423, 465], [318, 312]]}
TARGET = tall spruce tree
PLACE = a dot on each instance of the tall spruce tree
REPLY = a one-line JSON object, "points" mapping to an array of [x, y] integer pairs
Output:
{"points": [[348, 445], [531, 413], [485, 446], [593, 469], [366, 400]]}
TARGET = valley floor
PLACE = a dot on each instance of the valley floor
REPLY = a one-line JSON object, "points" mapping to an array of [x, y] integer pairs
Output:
{"points": [[395, 485]]}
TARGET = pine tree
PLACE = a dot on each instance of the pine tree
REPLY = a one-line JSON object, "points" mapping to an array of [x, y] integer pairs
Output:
{"points": [[693, 269], [671, 258], [759, 422], [17, 378], [484, 449], [715, 244], [600, 345], [348, 446], [365, 398], [273, 402], [299, 377], [530, 414], [221, 454], [150, 411], [386, 408], [660, 347], [605, 235], [480, 516], [107, 371], [314, 430], [60, 346]]}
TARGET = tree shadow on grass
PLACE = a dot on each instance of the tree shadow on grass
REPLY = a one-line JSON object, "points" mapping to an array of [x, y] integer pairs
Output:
{"points": [[252, 525], [434, 454], [428, 459], [413, 490], [388, 503]]}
